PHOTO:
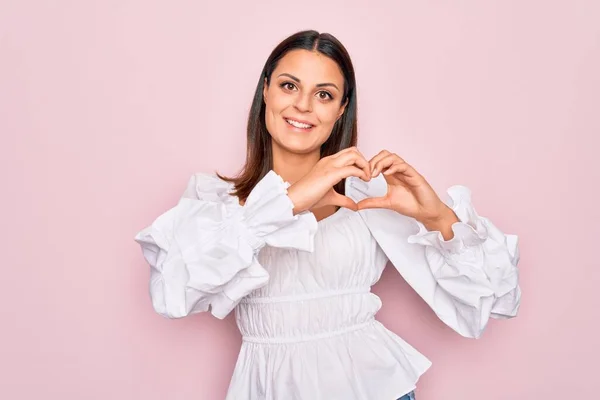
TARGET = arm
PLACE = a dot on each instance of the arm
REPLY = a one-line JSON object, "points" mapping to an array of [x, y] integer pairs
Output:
{"points": [[202, 252], [465, 280], [477, 252]]}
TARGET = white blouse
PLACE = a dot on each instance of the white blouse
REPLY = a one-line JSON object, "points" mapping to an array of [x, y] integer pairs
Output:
{"points": [[301, 289]]}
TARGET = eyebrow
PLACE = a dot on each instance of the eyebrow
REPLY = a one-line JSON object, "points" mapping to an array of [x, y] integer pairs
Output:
{"points": [[318, 85]]}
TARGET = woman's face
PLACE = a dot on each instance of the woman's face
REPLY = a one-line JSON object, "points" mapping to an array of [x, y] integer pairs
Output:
{"points": [[303, 101]]}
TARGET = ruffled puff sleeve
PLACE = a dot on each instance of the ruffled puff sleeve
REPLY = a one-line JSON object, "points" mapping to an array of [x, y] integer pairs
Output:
{"points": [[203, 252], [477, 267]]}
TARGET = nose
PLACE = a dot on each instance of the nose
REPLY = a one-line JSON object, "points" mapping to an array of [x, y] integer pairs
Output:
{"points": [[304, 102]]}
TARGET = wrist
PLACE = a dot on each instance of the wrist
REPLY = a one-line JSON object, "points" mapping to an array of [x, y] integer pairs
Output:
{"points": [[441, 220], [295, 198], [435, 214]]}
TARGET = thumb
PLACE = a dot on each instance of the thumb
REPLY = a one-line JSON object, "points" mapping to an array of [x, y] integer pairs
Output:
{"points": [[373, 202], [340, 200]]}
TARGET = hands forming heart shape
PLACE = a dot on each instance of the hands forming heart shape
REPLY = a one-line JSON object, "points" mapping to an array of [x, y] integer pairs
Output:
{"points": [[407, 193]]}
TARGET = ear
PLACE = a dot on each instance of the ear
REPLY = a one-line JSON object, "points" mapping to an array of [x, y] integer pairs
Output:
{"points": [[342, 109], [265, 90]]}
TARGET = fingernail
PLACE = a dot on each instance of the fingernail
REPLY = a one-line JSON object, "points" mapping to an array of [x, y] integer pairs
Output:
{"points": [[374, 174]]}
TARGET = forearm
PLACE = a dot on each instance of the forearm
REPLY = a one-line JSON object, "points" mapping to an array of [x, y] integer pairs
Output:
{"points": [[442, 222]]}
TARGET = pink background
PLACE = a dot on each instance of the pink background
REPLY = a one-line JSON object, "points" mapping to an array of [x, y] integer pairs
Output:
{"points": [[107, 108]]}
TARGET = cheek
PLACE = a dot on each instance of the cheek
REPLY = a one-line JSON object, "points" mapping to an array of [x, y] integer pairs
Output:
{"points": [[327, 113], [278, 102], [273, 110]]}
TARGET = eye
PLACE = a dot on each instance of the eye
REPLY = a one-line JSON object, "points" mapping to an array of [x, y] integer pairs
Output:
{"points": [[327, 96], [287, 85]]}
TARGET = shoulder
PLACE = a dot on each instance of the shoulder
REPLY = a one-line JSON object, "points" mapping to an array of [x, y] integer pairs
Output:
{"points": [[207, 186]]}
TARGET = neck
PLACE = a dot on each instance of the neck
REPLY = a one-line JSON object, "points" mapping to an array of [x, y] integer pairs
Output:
{"points": [[293, 166]]}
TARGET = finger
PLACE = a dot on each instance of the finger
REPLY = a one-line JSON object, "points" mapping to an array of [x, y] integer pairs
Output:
{"points": [[385, 163], [374, 202], [377, 157], [350, 157], [354, 158], [343, 201], [338, 154], [384, 155], [352, 170], [402, 168], [344, 151]]}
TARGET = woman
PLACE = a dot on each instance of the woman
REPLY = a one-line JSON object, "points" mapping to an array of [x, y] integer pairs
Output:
{"points": [[295, 242]]}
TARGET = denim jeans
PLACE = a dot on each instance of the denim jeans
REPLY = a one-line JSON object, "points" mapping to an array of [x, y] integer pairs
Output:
{"points": [[408, 396]]}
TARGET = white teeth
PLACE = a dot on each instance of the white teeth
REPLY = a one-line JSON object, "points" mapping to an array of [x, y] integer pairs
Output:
{"points": [[298, 124]]}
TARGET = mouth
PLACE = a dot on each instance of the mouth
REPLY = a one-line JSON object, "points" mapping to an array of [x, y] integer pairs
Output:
{"points": [[297, 125]]}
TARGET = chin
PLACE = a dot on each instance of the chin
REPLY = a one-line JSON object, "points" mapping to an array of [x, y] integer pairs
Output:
{"points": [[296, 141], [297, 145]]}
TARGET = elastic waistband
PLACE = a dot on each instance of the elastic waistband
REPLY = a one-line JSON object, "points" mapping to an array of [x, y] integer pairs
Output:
{"points": [[307, 338], [305, 296]]}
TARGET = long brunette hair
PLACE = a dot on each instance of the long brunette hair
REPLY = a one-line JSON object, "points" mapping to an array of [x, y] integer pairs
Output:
{"points": [[259, 157]]}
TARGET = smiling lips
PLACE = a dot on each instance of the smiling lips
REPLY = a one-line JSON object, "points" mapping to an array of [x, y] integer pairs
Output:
{"points": [[297, 124]]}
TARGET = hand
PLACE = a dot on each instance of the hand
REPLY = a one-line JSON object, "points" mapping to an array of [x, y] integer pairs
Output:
{"points": [[315, 189], [408, 192]]}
